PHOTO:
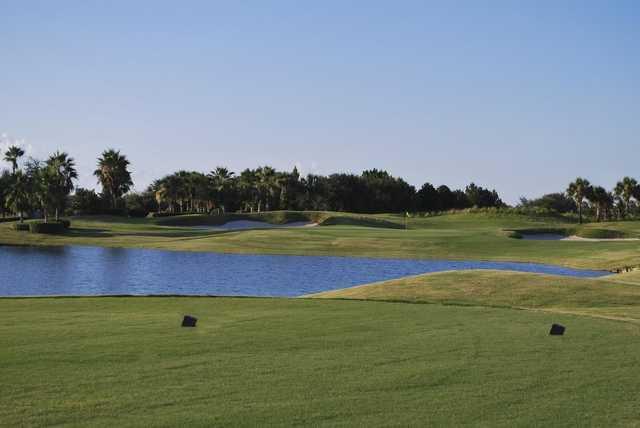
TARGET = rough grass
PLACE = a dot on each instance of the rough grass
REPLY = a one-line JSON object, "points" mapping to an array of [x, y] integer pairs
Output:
{"points": [[476, 236], [126, 362]]}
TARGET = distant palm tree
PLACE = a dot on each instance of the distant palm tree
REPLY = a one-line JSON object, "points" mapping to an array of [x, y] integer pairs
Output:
{"points": [[221, 180], [266, 185], [5, 185], [602, 200], [18, 196], [12, 155], [578, 191], [625, 190], [248, 186], [62, 172], [113, 175]]}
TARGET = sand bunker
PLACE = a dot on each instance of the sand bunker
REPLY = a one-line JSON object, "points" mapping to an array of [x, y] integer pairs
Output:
{"points": [[251, 224], [558, 237]]}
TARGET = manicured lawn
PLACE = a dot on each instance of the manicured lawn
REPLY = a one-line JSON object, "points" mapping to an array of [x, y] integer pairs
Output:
{"points": [[454, 236], [615, 296], [126, 362]]}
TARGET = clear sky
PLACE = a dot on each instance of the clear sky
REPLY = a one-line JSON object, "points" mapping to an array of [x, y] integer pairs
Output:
{"points": [[518, 96]]}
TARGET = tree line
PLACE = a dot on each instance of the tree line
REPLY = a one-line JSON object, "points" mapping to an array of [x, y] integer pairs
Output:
{"points": [[596, 202], [46, 186], [264, 188]]}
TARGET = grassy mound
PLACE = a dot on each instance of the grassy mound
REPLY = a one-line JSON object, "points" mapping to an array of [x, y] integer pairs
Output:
{"points": [[600, 297], [596, 233], [519, 233], [126, 362], [323, 218]]}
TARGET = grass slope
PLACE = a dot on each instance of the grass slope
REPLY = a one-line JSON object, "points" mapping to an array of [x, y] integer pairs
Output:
{"points": [[453, 236], [616, 297], [322, 218], [125, 362]]}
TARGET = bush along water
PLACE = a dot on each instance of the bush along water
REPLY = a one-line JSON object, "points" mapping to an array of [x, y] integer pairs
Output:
{"points": [[51, 227]]}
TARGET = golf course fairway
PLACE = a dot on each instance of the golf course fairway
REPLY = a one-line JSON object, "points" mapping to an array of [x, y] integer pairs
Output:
{"points": [[449, 348]]}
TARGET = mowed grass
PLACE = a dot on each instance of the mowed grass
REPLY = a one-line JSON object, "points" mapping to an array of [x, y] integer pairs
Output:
{"points": [[126, 362], [474, 236], [613, 297]]}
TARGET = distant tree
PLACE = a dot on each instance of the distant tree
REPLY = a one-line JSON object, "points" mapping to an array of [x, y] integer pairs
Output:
{"points": [[60, 176], [554, 202], [428, 198], [602, 201], [248, 189], [139, 204], [267, 184], [18, 196], [86, 201], [5, 186], [625, 190], [482, 198], [40, 182], [222, 181], [12, 155], [446, 198], [578, 191], [114, 176]]}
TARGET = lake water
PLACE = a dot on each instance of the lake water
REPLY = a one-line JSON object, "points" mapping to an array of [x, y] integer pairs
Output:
{"points": [[29, 271]]}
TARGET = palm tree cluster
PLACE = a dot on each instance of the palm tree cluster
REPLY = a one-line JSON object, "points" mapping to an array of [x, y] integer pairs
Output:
{"points": [[619, 203], [38, 185]]}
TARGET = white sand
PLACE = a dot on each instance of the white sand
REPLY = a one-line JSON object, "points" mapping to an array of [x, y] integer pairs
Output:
{"points": [[579, 238], [557, 237]]}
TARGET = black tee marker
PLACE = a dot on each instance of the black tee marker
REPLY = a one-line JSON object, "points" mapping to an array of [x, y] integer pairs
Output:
{"points": [[557, 330], [189, 321]]}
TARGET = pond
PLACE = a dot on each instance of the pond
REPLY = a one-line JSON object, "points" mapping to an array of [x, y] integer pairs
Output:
{"points": [[76, 270]]}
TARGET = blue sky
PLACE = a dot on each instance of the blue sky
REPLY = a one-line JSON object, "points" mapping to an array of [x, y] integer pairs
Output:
{"points": [[517, 96]]}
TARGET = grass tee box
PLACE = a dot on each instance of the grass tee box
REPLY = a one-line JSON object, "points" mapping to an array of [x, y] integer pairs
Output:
{"points": [[127, 362]]}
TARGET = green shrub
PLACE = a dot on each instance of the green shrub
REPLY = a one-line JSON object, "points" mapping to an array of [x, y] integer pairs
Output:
{"points": [[21, 227], [66, 223], [41, 227]]}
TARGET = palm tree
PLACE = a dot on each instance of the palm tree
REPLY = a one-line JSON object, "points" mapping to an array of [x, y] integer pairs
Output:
{"points": [[266, 185], [18, 196], [625, 190], [113, 175], [221, 179], [248, 185], [62, 172], [578, 191], [5, 185], [12, 155], [602, 200]]}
